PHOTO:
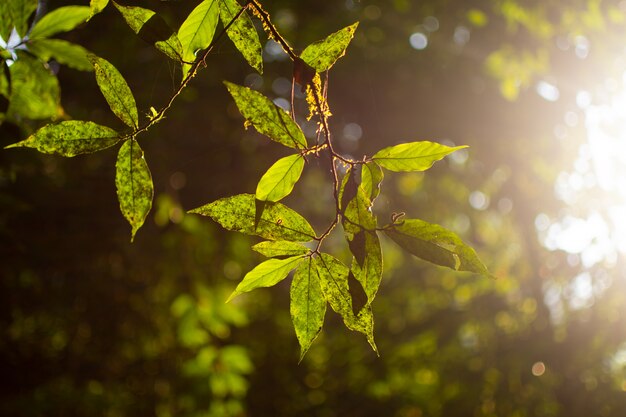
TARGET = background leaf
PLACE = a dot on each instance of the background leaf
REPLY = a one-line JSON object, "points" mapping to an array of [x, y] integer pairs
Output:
{"points": [[134, 184], [280, 178], [412, 156], [115, 91], [70, 138], [266, 274], [323, 54], [243, 33], [64, 52], [15, 14], [151, 27], [273, 249], [277, 221], [35, 92], [266, 117], [436, 244], [333, 277], [196, 32], [60, 20], [307, 306]]}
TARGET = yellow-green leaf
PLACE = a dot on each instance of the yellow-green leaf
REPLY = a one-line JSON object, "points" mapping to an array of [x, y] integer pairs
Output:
{"points": [[70, 138], [60, 20], [15, 14], [280, 178], [134, 184], [435, 244], [96, 6], [322, 55], [371, 178], [274, 249], [243, 33], [196, 32], [275, 221], [412, 156], [308, 306], [266, 117], [64, 52], [266, 274], [115, 91], [35, 92]]}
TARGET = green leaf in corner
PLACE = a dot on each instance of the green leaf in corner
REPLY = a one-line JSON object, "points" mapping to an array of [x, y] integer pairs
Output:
{"points": [[276, 222], [412, 156], [371, 178], [308, 306], [60, 20], [15, 14], [243, 33], [115, 91], [275, 249], [70, 138], [266, 274], [322, 55], [280, 178], [134, 184], [333, 276], [96, 6], [35, 92], [266, 117], [196, 32], [435, 244], [64, 52], [151, 27]]}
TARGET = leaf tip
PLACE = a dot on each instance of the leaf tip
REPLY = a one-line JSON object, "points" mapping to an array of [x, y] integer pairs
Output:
{"points": [[233, 295], [15, 145]]}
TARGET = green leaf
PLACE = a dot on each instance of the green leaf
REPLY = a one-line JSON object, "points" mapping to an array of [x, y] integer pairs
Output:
{"points": [[70, 138], [333, 276], [275, 249], [348, 187], [134, 185], [96, 6], [196, 32], [308, 306], [152, 28], [280, 178], [60, 20], [367, 265], [323, 54], [371, 178], [266, 274], [266, 117], [115, 91], [64, 52], [412, 156], [435, 244], [357, 215], [243, 33], [35, 92], [15, 14], [276, 222]]}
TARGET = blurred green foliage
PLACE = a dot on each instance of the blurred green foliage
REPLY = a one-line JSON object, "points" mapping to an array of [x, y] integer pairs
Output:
{"points": [[92, 325]]}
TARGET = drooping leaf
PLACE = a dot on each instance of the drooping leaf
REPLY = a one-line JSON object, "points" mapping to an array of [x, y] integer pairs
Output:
{"points": [[367, 265], [371, 178], [153, 29], [266, 274], [243, 33], [274, 249], [70, 138], [35, 92], [357, 294], [64, 52], [280, 178], [15, 14], [435, 244], [60, 20], [333, 277], [323, 54], [134, 184], [115, 91], [412, 156], [308, 306], [266, 117], [357, 215], [196, 32], [96, 6], [277, 221], [348, 188]]}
